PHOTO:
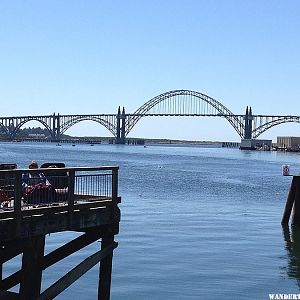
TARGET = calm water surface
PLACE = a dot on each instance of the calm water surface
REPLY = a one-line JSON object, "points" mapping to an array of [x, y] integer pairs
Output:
{"points": [[197, 223]]}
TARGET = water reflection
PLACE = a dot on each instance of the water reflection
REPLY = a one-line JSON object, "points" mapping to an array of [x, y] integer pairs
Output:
{"points": [[292, 245]]}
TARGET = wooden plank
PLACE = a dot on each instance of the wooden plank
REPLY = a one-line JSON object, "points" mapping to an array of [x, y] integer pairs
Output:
{"points": [[53, 209], [11, 281], [94, 204], [44, 210], [5, 295], [76, 273], [71, 247], [57, 207], [6, 214], [78, 197], [50, 223], [10, 249]]}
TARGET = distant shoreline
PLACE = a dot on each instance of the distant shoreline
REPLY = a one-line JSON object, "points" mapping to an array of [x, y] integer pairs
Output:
{"points": [[108, 140], [178, 142]]}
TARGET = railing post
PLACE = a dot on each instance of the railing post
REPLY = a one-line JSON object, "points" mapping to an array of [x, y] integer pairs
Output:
{"points": [[17, 200], [115, 186], [115, 212], [71, 185]]}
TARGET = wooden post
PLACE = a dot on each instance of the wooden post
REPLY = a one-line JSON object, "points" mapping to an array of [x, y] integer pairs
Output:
{"points": [[71, 185], [114, 186], [286, 235], [31, 277], [17, 201], [105, 269], [289, 203], [296, 208]]}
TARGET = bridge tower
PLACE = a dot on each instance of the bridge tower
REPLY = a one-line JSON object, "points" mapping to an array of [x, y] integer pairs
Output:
{"points": [[11, 127], [248, 123], [121, 118], [56, 127]]}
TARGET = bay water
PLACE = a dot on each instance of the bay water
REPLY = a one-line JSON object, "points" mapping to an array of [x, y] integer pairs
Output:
{"points": [[196, 222]]}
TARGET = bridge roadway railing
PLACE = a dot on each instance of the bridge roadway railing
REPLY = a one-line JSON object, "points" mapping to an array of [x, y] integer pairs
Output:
{"points": [[55, 191]]}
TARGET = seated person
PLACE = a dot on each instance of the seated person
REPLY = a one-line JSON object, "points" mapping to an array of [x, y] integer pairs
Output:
{"points": [[36, 187], [33, 178]]}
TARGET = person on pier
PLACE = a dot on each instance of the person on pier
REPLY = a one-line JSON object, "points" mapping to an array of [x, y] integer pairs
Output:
{"points": [[33, 178], [36, 188]]}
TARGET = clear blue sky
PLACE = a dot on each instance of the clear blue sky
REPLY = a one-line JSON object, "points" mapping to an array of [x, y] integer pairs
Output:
{"points": [[72, 56]]}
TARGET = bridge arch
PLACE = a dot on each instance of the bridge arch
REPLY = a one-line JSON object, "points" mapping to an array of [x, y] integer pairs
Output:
{"points": [[274, 122], [5, 129], [71, 121], [17, 128], [184, 103]]}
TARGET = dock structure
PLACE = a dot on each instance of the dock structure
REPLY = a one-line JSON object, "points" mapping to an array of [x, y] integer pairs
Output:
{"points": [[83, 200]]}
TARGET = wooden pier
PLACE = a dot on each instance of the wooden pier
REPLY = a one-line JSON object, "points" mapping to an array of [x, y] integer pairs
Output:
{"points": [[86, 201]]}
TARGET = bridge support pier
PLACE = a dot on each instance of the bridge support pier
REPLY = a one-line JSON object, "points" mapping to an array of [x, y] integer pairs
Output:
{"points": [[121, 118], [56, 127], [246, 141], [248, 124]]}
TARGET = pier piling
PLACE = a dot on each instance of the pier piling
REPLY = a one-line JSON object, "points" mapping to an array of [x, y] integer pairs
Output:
{"points": [[292, 205]]}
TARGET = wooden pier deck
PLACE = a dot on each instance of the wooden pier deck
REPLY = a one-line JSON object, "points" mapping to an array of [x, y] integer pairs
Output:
{"points": [[82, 200]]}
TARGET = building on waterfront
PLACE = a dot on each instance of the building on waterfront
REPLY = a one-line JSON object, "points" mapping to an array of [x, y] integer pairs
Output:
{"points": [[37, 135], [289, 143], [254, 144]]}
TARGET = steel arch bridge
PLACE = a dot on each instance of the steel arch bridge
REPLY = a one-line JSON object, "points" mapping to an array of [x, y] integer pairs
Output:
{"points": [[175, 103], [11, 125], [108, 121], [56, 124], [184, 103]]}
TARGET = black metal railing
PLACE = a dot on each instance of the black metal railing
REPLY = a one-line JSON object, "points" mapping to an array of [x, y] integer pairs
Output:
{"points": [[24, 189]]}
